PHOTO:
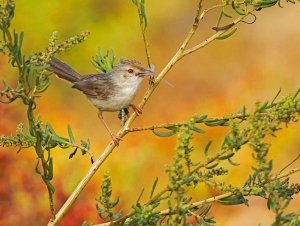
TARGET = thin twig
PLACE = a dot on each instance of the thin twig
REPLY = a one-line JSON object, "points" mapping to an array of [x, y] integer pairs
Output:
{"points": [[213, 37], [294, 160], [143, 29], [178, 124]]}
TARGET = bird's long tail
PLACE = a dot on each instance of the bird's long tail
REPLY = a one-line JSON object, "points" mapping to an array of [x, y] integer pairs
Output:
{"points": [[63, 71]]}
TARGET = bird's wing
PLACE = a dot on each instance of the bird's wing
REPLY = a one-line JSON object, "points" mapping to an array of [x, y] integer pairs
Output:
{"points": [[99, 86]]}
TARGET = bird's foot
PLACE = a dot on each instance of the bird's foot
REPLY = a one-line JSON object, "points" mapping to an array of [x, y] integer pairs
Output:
{"points": [[116, 139], [136, 109]]}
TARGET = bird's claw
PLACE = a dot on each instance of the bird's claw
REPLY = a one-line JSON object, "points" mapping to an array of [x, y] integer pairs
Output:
{"points": [[116, 139], [136, 109]]}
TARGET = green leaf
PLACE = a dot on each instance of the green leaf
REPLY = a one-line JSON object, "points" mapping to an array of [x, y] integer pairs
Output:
{"points": [[163, 134], [112, 204], [153, 187], [188, 180], [279, 91], [42, 83], [140, 196], [71, 136], [37, 170], [226, 14], [143, 12], [296, 94], [199, 119], [210, 221], [221, 122], [233, 200], [232, 162], [229, 155], [237, 8], [227, 35], [205, 211], [50, 169], [198, 130], [263, 107], [271, 204], [207, 147], [117, 215], [212, 165], [265, 3]]}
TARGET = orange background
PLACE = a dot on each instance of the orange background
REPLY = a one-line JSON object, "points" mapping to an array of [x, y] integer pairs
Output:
{"points": [[220, 79]]}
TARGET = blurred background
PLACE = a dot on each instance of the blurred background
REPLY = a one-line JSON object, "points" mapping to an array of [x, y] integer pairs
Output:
{"points": [[250, 66]]}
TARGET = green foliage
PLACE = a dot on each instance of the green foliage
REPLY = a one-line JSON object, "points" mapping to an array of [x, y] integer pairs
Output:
{"points": [[251, 128], [291, 219], [21, 139], [241, 8], [104, 62], [50, 139], [33, 81], [104, 204]]}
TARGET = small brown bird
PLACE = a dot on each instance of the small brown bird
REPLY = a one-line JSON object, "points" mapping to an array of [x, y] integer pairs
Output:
{"points": [[106, 91]]}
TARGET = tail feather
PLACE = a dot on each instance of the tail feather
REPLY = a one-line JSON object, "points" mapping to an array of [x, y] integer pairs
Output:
{"points": [[63, 71]]}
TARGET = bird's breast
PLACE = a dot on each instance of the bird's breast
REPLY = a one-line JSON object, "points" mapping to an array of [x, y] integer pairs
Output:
{"points": [[121, 97]]}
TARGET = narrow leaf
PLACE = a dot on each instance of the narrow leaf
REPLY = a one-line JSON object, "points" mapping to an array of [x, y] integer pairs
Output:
{"points": [[200, 118], [71, 136], [227, 35], [279, 91], [205, 211], [212, 165], [216, 123], [226, 14], [153, 187], [143, 12], [233, 200], [229, 155], [263, 107], [37, 170], [296, 94], [237, 9], [207, 147], [163, 134], [140, 196], [50, 170], [271, 204], [112, 204], [232, 162], [198, 130]]}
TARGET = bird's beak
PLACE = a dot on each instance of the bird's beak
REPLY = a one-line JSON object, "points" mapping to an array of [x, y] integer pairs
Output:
{"points": [[145, 71]]}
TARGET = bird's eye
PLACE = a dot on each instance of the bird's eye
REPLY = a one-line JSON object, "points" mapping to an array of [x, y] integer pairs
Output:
{"points": [[130, 70]]}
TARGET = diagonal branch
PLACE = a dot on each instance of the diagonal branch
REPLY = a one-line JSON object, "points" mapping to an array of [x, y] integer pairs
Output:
{"points": [[181, 52]]}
